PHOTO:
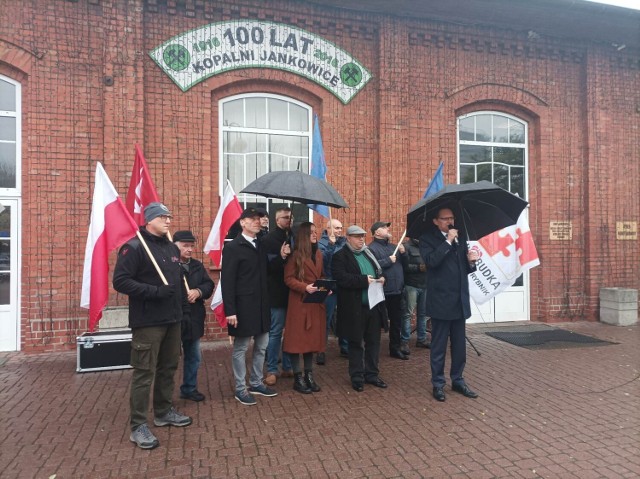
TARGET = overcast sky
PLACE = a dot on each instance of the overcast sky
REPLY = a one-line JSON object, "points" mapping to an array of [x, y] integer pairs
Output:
{"points": [[635, 4]]}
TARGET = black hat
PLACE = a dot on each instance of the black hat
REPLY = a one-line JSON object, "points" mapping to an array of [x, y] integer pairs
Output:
{"points": [[184, 235], [262, 211], [378, 224], [155, 209], [252, 212]]}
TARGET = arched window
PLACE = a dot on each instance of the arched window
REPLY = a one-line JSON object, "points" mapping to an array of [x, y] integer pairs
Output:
{"points": [[9, 136], [493, 146], [260, 133]]}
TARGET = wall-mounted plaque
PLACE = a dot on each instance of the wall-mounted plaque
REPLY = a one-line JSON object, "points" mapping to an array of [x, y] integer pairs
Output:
{"points": [[560, 230]]}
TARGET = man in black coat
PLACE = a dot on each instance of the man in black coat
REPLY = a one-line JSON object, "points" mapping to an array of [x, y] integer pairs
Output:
{"points": [[200, 288], [448, 264], [277, 245], [354, 268], [246, 305], [155, 313]]}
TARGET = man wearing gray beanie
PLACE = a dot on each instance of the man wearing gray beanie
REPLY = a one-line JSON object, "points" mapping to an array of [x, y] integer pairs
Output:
{"points": [[156, 310]]}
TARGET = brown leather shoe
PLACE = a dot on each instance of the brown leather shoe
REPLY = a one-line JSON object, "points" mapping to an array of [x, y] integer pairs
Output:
{"points": [[271, 379], [286, 374]]}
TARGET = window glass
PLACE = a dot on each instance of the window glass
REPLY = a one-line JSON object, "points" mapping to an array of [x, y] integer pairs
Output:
{"points": [[255, 110], [509, 156], [299, 118], [7, 96], [7, 128], [7, 165], [474, 154], [483, 128], [516, 131], [467, 128], [278, 115], [233, 113], [500, 129]]}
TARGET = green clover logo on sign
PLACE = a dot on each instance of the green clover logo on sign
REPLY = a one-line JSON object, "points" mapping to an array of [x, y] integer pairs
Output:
{"points": [[176, 57], [350, 74]]}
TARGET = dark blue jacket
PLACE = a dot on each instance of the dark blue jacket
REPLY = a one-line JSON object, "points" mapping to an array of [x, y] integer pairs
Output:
{"points": [[447, 277], [328, 250], [393, 272]]}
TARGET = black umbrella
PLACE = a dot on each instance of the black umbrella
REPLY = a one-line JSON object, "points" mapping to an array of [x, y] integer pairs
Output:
{"points": [[296, 186], [480, 209]]}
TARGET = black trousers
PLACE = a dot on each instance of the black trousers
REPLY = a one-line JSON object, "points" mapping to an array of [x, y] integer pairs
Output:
{"points": [[363, 361], [443, 330], [394, 310]]}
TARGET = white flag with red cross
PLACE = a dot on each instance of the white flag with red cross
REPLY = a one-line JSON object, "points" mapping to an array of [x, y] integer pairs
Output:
{"points": [[504, 256]]}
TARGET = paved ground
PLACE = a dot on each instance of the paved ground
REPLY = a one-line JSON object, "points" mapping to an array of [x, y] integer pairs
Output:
{"points": [[567, 413]]}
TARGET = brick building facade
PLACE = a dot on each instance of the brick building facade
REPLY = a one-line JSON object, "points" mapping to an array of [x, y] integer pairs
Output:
{"points": [[87, 90]]}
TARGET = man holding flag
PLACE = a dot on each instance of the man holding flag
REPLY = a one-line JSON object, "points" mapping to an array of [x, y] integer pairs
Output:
{"points": [[156, 309]]}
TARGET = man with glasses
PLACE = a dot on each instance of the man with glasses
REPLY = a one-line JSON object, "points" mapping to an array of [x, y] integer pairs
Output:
{"points": [[330, 243], [246, 306], [277, 245], [155, 313], [448, 263], [354, 269]]}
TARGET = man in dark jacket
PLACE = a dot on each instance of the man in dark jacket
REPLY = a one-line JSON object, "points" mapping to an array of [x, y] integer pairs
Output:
{"points": [[246, 305], [156, 309], [448, 264], [277, 245], [393, 271], [200, 288], [415, 295], [354, 269], [330, 243]]}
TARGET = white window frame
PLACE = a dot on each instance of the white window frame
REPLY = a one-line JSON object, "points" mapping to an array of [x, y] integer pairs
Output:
{"points": [[242, 198], [524, 145], [17, 190]]}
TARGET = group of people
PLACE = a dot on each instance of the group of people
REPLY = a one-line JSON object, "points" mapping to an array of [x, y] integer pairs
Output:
{"points": [[273, 298]]}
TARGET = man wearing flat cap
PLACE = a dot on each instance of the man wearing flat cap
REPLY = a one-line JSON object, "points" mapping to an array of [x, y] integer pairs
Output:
{"points": [[200, 288], [156, 310], [393, 266], [354, 268], [246, 306]]}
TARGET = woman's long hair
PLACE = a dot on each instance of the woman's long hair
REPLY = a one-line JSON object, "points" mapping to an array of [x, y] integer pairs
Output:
{"points": [[302, 249]]}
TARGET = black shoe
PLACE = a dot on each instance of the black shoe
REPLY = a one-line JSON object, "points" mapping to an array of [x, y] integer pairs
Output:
{"points": [[423, 344], [320, 359], [299, 384], [344, 353], [404, 349], [311, 384], [358, 387], [396, 353], [377, 382], [438, 393], [196, 396], [463, 389]]}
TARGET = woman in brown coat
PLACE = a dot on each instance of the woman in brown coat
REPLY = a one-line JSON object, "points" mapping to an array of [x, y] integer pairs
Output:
{"points": [[306, 322]]}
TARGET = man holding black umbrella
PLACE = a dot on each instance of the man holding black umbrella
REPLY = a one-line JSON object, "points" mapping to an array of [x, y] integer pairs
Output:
{"points": [[448, 263]]}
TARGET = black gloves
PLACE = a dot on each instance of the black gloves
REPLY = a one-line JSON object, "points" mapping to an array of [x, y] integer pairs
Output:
{"points": [[165, 291]]}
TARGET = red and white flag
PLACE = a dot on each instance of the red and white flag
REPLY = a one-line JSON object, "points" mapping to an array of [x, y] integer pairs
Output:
{"points": [[504, 256], [111, 226], [229, 212], [141, 189], [218, 307]]}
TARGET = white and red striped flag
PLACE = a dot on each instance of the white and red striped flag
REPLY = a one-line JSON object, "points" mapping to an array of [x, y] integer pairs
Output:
{"points": [[229, 212], [111, 226], [141, 189]]}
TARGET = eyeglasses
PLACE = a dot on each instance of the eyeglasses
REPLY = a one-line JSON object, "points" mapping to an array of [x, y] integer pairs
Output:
{"points": [[164, 217], [448, 218]]}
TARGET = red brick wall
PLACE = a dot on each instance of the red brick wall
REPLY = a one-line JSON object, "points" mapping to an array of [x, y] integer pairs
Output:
{"points": [[581, 102]]}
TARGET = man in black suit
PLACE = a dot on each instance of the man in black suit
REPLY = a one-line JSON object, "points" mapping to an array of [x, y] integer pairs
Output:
{"points": [[448, 263], [246, 305]]}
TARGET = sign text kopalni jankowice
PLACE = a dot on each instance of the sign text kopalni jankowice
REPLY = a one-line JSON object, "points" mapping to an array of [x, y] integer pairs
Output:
{"points": [[193, 56]]}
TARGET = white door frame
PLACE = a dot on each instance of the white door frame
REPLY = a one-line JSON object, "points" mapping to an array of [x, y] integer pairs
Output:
{"points": [[10, 313]]}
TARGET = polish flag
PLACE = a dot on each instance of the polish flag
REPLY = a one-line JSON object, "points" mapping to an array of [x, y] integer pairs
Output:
{"points": [[141, 189], [111, 226], [229, 212], [218, 307]]}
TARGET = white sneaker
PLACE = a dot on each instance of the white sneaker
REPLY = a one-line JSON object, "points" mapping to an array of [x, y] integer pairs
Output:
{"points": [[144, 438]]}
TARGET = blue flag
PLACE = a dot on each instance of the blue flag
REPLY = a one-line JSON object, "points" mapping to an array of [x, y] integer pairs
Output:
{"points": [[437, 182], [318, 165]]}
